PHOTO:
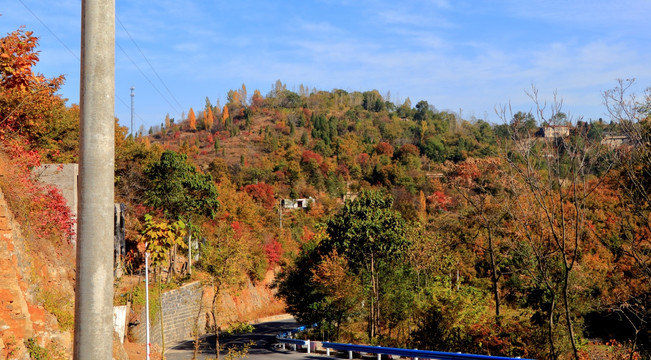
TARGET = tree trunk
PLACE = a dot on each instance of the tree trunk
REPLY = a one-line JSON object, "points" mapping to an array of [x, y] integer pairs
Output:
{"points": [[172, 272], [162, 323], [197, 343], [377, 304], [190, 252], [372, 302], [339, 323], [568, 316], [551, 328], [494, 277], [214, 320]]}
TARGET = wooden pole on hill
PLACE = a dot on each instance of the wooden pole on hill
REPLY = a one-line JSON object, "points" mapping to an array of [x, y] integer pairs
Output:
{"points": [[93, 338]]}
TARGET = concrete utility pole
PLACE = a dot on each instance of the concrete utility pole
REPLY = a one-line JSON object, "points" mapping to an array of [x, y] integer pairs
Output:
{"points": [[132, 95], [93, 338]]}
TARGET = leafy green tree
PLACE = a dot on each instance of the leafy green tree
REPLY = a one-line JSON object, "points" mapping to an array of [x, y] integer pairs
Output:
{"points": [[179, 190], [523, 125], [434, 149], [160, 237], [423, 112], [372, 101], [372, 236], [359, 248]]}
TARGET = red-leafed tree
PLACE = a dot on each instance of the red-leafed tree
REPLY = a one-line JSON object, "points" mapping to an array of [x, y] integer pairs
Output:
{"points": [[274, 251], [29, 106], [310, 155], [262, 193], [384, 148]]}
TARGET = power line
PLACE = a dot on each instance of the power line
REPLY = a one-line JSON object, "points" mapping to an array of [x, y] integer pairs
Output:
{"points": [[50, 30], [149, 63], [67, 48], [145, 76]]}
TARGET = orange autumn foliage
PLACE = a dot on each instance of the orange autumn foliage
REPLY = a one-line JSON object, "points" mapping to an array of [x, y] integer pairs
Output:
{"points": [[192, 120]]}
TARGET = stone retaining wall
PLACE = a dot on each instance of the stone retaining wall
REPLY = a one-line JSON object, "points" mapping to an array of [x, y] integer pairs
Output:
{"points": [[181, 307], [180, 312]]}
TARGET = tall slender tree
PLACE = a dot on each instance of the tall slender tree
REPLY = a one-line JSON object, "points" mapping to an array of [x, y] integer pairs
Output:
{"points": [[192, 120]]}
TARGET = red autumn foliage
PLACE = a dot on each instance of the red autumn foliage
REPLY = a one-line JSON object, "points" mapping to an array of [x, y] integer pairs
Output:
{"points": [[324, 167], [384, 148], [408, 149], [279, 175], [309, 155], [308, 235], [308, 113], [40, 206], [439, 200], [343, 170], [274, 251], [363, 158], [26, 98], [262, 193], [467, 171], [237, 228]]}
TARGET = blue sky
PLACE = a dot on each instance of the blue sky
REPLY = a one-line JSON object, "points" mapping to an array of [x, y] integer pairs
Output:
{"points": [[463, 56]]}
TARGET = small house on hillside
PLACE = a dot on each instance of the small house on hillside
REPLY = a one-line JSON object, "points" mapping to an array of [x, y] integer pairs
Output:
{"points": [[553, 131], [297, 203], [614, 140]]}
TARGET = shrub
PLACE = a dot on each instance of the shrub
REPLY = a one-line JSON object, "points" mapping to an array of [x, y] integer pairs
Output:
{"points": [[239, 328], [58, 304], [40, 209]]}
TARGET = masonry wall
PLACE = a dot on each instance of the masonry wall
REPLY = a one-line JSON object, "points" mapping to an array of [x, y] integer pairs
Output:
{"points": [[180, 310], [180, 306]]}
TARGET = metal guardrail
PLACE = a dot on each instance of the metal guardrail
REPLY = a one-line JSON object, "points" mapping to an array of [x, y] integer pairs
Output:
{"points": [[286, 338], [293, 341], [416, 354]]}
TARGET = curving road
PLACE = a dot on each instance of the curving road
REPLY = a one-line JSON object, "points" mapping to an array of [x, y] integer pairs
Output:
{"points": [[264, 337]]}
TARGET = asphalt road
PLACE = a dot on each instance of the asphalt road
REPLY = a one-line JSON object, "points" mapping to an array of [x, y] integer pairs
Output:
{"points": [[264, 338]]}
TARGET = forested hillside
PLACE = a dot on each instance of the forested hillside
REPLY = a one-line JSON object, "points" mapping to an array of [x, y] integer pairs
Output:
{"points": [[523, 238], [529, 237]]}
